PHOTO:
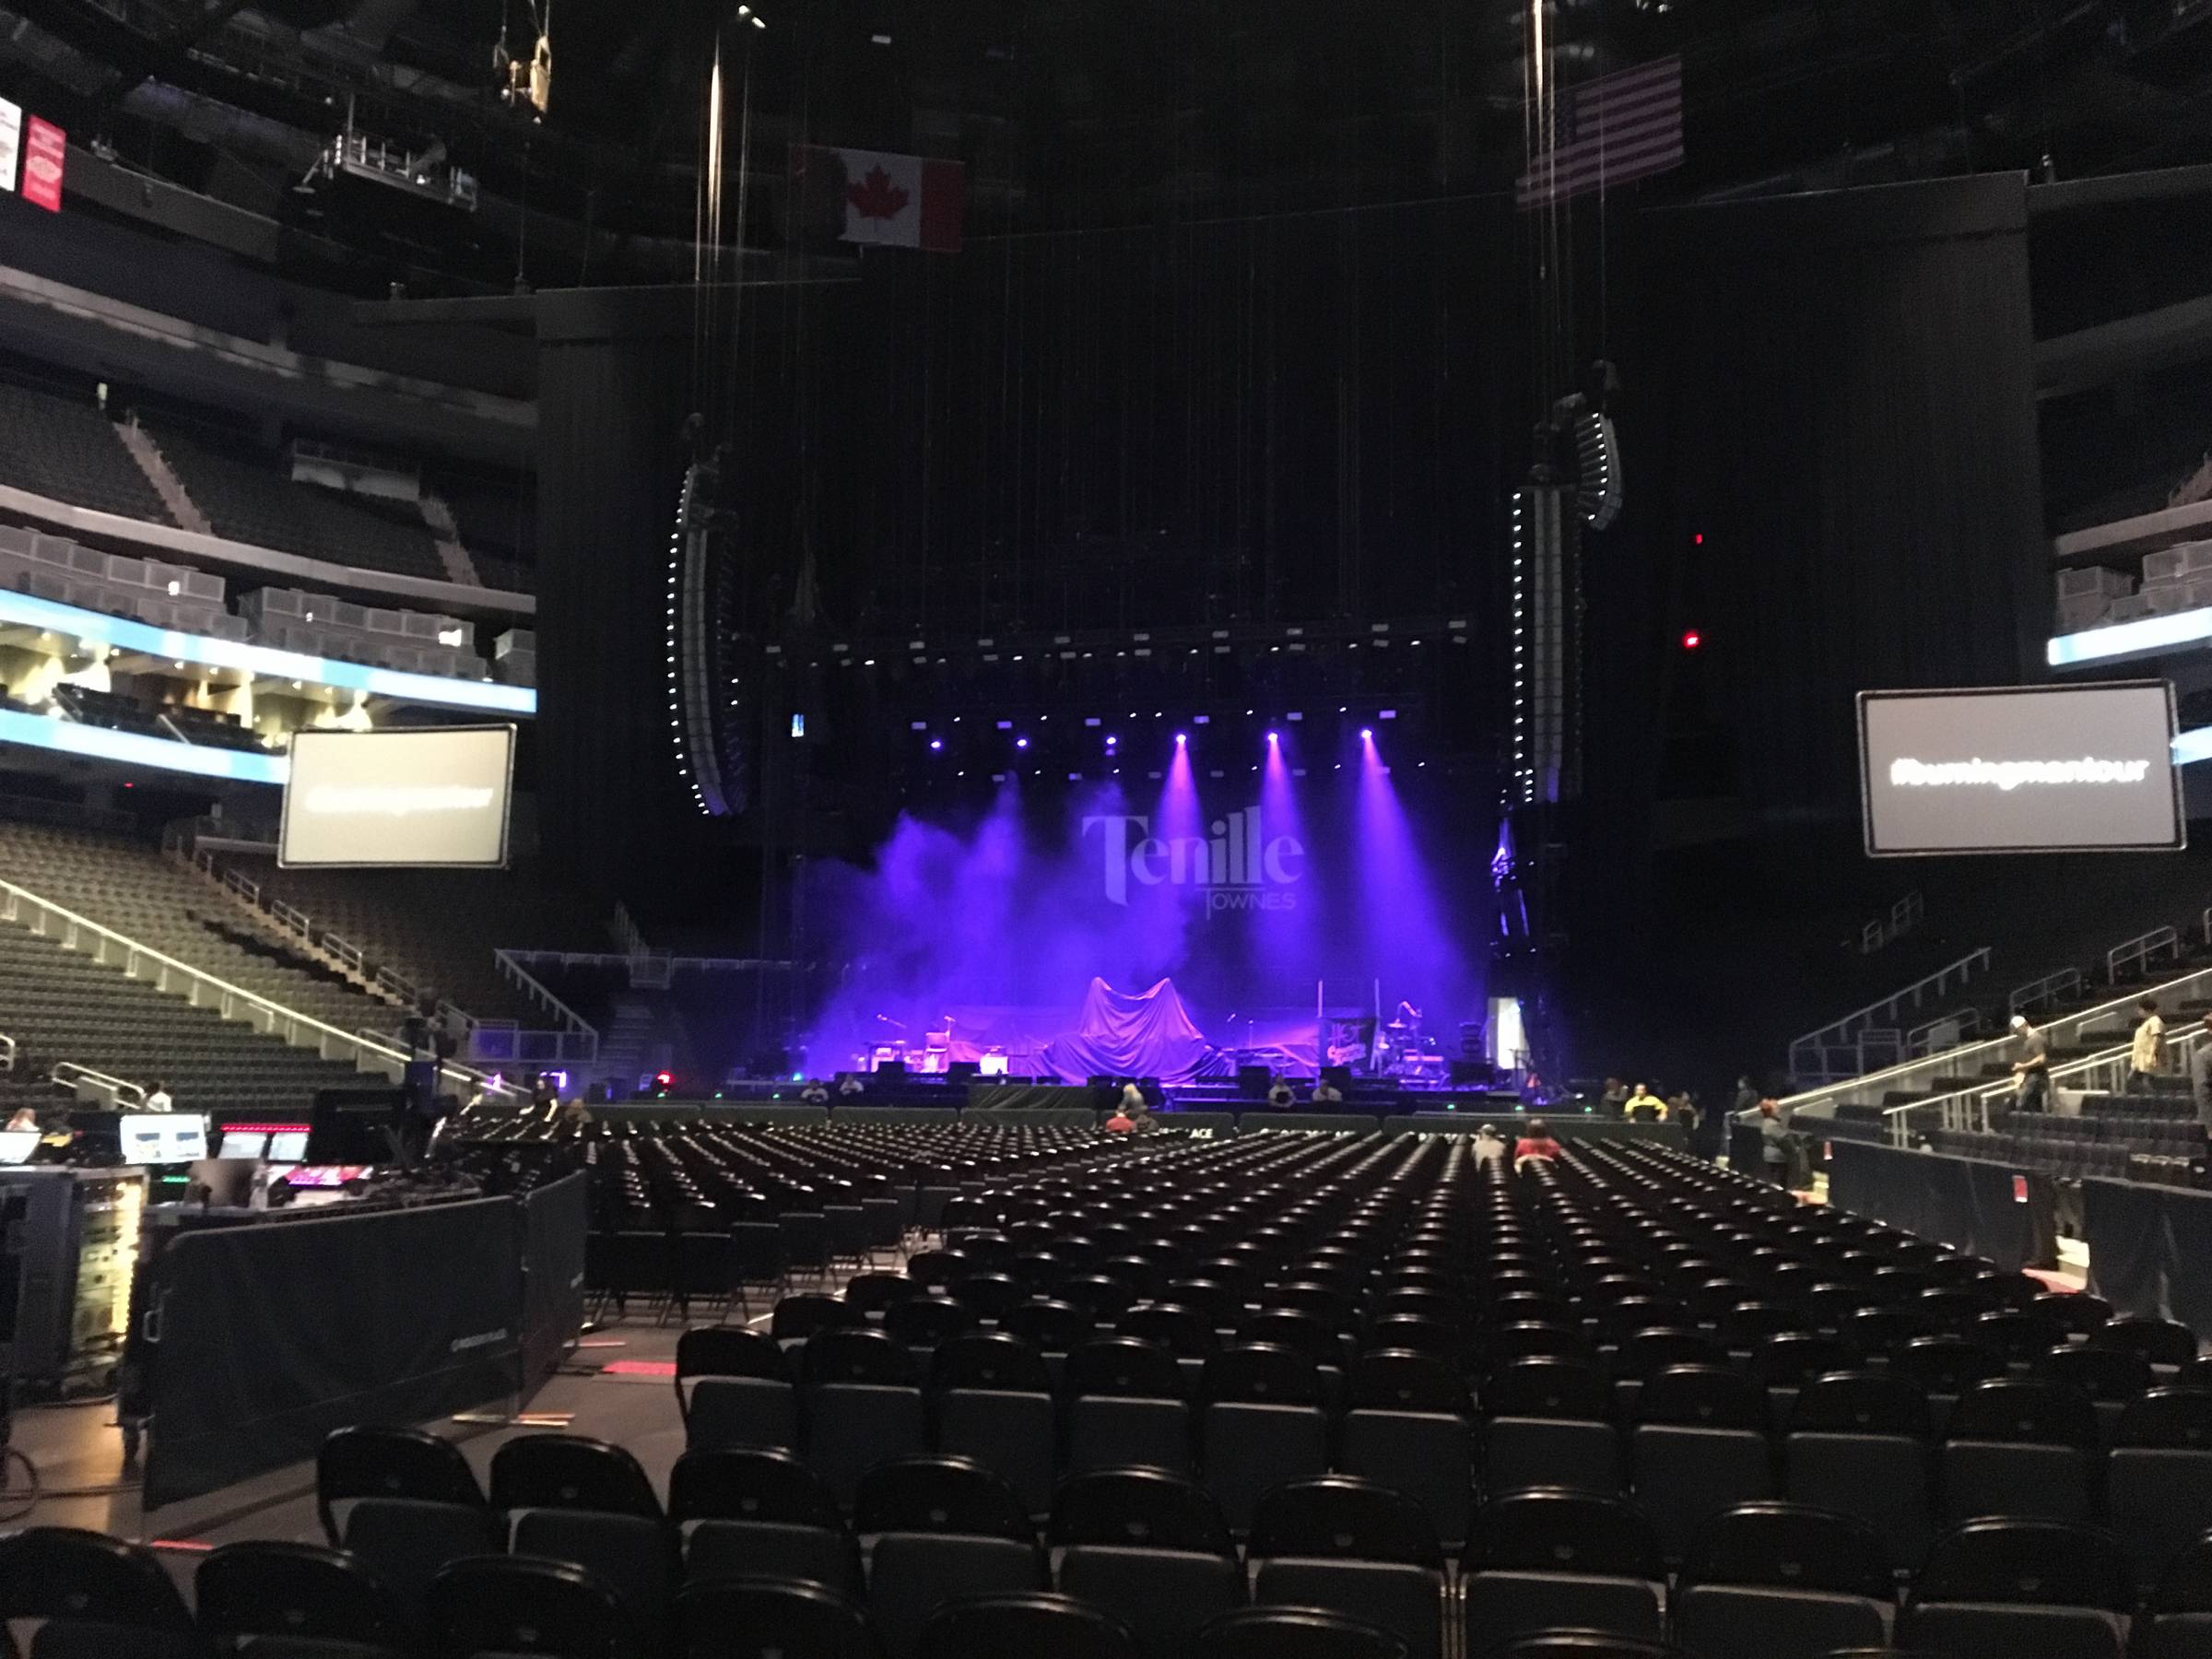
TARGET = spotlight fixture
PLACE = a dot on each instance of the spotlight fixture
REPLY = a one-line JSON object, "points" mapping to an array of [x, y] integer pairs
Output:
{"points": [[1181, 738], [936, 745], [1022, 743], [1275, 737], [1367, 733]]}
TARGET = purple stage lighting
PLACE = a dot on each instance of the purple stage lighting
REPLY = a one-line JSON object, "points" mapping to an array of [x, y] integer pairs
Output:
{"points": [[1022, 743], [1275, 737], [1181, 738], [936, 744], [1367, 733]]}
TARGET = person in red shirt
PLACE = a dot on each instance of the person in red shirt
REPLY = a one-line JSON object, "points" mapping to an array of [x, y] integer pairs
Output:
{"points": [[1536, 1143], [1121, 1123]]}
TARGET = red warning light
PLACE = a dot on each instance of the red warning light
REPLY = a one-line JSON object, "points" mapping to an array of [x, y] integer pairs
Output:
{"points": [[1692, 639]]}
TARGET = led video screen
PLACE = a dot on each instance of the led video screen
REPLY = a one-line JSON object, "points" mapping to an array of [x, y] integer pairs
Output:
{"points": [[2047, 769], [425, 796]]}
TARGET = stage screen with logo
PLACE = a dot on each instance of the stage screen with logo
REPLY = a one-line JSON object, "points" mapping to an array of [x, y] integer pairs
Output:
{"points": [[1200, 910], [2046, 769], [430, 796]]}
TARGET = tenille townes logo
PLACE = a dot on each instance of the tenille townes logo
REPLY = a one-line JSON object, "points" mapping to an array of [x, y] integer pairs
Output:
{"points": [[1239, 868]]}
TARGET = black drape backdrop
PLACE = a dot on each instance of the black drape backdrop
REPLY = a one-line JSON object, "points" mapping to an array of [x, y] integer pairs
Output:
{"points": [[1836, 390]]}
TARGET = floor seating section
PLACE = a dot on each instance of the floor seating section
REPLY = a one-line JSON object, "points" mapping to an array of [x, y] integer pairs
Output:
{"points": [[61, 1005], [129, 886], [439, 929], [67, 449], [1828, 1438]]}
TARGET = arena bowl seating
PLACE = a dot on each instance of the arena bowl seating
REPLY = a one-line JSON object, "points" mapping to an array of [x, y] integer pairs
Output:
{"points": [[67, 449], [1031, 1391]]}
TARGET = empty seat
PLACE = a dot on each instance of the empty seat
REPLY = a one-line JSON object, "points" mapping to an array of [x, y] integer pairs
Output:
{"points": [[1858, 1445], [942, 1528], [100, 1598], [993, 1399], [1547, 1423], [862, 1403], [1150, 1548], [1354, 1548], [1024, 1626], [2178, 1612], [1554, 1560], [504, 1605], [296, 1593], [404, 1503], [2001, 1589], [1406, 1427], [1293, 1634], [1700, 1446], [735, 1388], [2018, 1448], [2158, 1476], [1262, 1425], [1125, 1407], [760, 1512], [762, 1618], [1773, 1581]]}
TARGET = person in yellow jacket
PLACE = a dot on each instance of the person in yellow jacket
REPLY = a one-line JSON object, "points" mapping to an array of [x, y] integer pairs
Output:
{"points": [[1644, 1105]]}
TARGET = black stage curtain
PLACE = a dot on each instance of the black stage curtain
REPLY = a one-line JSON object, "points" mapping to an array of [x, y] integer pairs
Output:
{"points": [[274, 1334], [1963, 1202], [556, 1219], [1836, 392], [1036, 1096], [2150, 1250]]}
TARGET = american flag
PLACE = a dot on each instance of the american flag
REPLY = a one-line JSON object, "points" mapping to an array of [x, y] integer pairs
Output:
{"points": [[1618, 127]]}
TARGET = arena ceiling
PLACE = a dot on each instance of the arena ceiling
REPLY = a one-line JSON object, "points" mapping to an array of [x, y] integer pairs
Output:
{"points": [[1068, 113]]}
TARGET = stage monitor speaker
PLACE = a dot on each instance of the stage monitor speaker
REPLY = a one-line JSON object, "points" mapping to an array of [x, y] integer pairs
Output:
{"points": [[962, 1071], [1473, 1072], [892, 1071], [1341, 1075], [1253, 1081]]}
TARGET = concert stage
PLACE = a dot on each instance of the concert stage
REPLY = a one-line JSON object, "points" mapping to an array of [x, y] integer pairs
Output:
{"points": [[1297, 911]]}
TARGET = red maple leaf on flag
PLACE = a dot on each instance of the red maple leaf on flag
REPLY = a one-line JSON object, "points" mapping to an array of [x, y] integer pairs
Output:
{"points": [[875, 197]]}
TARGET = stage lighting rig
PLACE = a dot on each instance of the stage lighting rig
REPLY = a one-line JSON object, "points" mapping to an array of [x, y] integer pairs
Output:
{"points": [[426, 174], [527, 82]]}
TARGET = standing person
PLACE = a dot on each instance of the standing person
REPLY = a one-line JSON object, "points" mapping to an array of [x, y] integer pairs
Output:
{"points": [[1747, 1096], [545, 1100], [1615, 1097], [2146, 1051], [1642, 1105], [2200, 1085], [1687, 1115], [2031, 1065], [157, 1099], [1773, 1140]]}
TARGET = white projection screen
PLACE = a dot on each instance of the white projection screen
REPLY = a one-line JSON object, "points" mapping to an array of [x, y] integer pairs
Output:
{"points": [[2045, 769], [426, 796]]}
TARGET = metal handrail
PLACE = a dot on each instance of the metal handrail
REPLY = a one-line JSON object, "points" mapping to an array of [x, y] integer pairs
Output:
{"points": [[1838, 1031], [205, 990], [1870, 1088], [122, 1089], [536, 989], [2140, 951], [1968, 1108], [2040, 993], [1964, 1022]]}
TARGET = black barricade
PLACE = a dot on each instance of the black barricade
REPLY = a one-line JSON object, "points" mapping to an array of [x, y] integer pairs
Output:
{"points": [[1076, 1101], [1986, 1210], [273, 1335], [556, 1219], [2150, 1250]]}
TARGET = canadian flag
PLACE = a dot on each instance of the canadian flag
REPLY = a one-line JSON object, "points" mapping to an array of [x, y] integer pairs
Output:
{"points": [[892, 201]]}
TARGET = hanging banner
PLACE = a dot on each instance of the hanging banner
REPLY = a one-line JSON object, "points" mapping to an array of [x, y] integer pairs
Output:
{"points": [[11, 138], [45, 152]]}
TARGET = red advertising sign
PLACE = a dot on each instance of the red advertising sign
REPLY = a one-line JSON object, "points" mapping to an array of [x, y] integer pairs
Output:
{"points": [[45, 152]]}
